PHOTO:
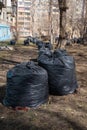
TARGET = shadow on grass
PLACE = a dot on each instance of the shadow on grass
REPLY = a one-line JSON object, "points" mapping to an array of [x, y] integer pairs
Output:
{"points": [[2, 93], [6, 61], [18, 125], [72, 122], [13, 125]]}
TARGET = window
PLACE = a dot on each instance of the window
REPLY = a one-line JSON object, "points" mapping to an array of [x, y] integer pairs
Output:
{"points": [[27, 3], [27, 13], [27, 8], [27, 18], [21, 18]]}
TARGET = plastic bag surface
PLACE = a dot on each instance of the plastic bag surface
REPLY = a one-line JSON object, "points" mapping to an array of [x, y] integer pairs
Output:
{"points": [[27, 85], [61, 72]]}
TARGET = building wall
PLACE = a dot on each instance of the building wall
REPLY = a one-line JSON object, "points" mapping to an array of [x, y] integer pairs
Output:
{"points": [[23, 18], [5, 33]]}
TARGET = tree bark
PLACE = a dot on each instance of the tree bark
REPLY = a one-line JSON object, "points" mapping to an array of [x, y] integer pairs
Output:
{"points": [[62, 32]]}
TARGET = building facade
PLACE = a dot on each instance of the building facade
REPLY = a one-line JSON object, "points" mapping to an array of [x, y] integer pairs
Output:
{"points": [[23, 18]]}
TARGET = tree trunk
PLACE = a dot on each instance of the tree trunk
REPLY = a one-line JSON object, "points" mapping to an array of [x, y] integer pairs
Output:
{"points": [[85, 22], [62, 32]]}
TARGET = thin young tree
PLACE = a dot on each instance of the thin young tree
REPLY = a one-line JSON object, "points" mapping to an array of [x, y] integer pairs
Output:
{"points": [[50, 21]]}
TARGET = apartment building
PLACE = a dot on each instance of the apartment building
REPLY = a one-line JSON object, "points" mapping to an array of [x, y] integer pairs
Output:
{"points": [[23, 18]]}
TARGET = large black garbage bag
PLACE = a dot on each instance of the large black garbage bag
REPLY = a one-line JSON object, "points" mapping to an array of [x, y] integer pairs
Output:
{"points": [[27, 85], [61, 72]]}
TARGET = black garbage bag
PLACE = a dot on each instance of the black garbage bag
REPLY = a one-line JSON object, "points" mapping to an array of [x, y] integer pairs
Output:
{"points": [[61, 72], [45, 51], [12, 42], [48, 45], [39, 44], [34, 40], [27, 85], [60, 52], [26, 42]]}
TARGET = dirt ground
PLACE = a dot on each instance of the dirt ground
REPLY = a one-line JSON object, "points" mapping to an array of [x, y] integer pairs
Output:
{"points": [[61, 112]]}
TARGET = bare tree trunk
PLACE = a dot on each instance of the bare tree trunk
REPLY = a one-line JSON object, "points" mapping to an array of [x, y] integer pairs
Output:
{"points": [[86, 15], [62, 32], [85, 22]]}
